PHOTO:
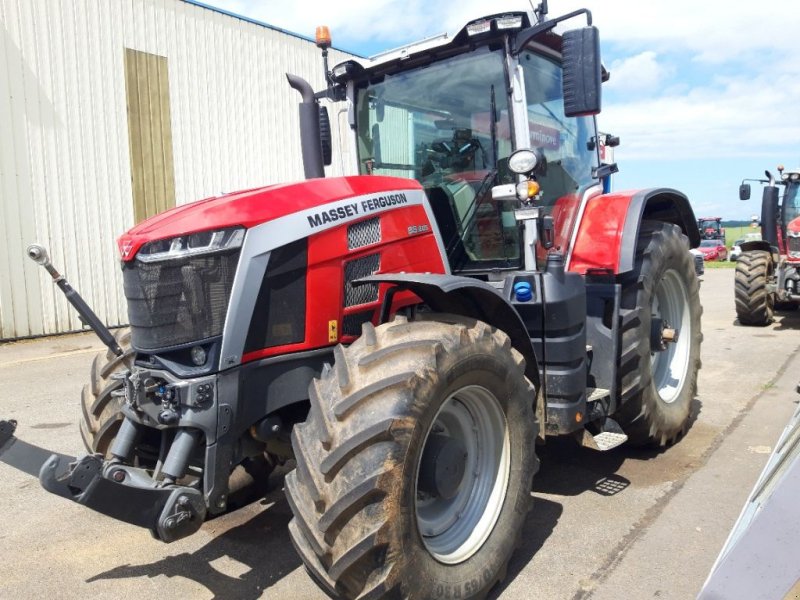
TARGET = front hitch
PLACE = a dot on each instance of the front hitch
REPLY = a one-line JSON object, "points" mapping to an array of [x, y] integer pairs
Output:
{"points": [[170, 512], [129, 494]]}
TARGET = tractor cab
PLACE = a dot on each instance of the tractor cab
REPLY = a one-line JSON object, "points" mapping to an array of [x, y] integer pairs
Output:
{"points": [[711, 228], [450, 111], [790, 213]]}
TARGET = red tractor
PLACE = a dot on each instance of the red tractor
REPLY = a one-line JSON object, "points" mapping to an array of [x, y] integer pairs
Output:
{"points": [[405, 334], [768, 271], [711, 228]]}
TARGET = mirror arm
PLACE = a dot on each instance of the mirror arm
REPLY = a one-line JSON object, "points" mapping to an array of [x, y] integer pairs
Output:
{"points": [[526, 35]]}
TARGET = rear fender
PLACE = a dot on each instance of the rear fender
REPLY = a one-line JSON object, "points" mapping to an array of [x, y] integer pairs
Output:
{"points": [[470, 298], [758, 245], [609, 229]]}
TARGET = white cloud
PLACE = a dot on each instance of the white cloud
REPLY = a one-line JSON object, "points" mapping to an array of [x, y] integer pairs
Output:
{"points": [[742, 116], [641, 72]]}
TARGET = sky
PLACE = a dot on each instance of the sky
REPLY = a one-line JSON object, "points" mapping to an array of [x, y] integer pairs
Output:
{"points": [[702, 93]]}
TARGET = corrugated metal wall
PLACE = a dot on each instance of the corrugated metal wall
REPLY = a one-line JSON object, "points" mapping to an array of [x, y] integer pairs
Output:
{"points": [[65, 168]]}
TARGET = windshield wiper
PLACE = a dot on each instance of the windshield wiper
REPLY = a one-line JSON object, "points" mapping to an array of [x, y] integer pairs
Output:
{"points": [[493, 124]]}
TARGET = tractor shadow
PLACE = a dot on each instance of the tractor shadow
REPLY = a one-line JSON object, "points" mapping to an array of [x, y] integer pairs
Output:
{"points": [[786, 320], [541, 522], [261, 543], [782, 320], [568, 469]]}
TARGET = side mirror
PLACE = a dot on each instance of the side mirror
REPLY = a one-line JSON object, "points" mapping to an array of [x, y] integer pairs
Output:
{"points": [[325, 137], [744, 191], [582, 79]]}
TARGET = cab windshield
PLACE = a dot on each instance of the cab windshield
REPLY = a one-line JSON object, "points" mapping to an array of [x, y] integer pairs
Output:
{"points": [[447, 125], [791, 203]]}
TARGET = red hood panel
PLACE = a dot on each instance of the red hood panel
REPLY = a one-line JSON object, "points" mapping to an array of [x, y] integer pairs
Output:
{"points": [[794, 225], [251, 207]]}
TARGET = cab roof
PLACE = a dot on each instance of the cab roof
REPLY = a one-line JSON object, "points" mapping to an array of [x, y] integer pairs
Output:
{"points": [[435, 43]]}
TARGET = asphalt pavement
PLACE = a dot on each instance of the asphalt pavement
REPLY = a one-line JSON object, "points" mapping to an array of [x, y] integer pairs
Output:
{"points": [[622, 524]]}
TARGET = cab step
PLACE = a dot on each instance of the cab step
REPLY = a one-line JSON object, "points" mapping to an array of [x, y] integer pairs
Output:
{"points": [[595, 394], [610, 436]]}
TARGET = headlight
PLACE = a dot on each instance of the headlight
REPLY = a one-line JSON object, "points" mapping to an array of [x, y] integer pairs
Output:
{"points": [[477, 27], [522, 161], [509, 22], [204, 242]]}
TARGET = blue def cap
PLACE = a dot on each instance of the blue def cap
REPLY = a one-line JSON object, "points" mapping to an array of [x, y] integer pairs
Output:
{"points": [[522, 290]]}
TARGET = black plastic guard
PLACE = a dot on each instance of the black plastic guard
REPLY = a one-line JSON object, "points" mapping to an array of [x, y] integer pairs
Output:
{"points": [[170, 513]]}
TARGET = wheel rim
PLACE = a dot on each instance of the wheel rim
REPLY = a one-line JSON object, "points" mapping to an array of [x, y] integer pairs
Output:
{"points": [[669, 367], [454, 528]]}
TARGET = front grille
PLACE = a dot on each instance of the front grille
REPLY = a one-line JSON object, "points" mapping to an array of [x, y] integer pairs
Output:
{"points": [[364, 233], [177, 301], [351, 324], [356, 269]]}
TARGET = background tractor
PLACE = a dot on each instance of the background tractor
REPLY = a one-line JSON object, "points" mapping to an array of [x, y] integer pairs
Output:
{"points": [[407, 334], [711, 228], [767, 272]]}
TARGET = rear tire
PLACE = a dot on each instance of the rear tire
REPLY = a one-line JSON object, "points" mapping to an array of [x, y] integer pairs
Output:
{"points": [[366, 523], [754, 305], [101, 412], [657, 387]]}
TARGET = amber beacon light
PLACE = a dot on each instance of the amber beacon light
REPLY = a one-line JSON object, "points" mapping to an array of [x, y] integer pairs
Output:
{"points": [[323, 37]]}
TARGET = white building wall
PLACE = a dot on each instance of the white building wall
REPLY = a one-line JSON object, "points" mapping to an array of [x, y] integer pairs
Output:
{"points": [[65, 176]]}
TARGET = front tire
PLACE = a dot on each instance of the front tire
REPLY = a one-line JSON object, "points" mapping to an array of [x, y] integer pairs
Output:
{"points": [[754, 304], [657, 385], [414, 467], [101, 412]]}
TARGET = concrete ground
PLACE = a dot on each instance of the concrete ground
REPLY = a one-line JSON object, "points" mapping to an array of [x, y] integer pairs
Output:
{"points": [[621, 524]]}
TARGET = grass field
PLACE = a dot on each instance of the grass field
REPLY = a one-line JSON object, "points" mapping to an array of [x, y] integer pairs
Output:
{"points": [[721, 264], [735, 233]]}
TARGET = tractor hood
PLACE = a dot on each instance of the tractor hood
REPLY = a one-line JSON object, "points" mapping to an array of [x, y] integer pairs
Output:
{"points": [[794, 226], [253, 207]]}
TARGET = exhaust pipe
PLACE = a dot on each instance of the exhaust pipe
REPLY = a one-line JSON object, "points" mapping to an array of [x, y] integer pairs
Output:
{"points": [[769, 212], [38, 254], [309, 128]]}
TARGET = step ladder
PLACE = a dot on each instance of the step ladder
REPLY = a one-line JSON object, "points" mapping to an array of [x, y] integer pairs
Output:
{"points": [[610, 434]]}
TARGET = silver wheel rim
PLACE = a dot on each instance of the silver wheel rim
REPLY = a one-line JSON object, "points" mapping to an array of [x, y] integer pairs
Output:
{"points": [[669, 367], [454, 529]]}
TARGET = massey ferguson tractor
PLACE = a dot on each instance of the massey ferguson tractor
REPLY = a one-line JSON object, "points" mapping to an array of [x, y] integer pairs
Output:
{"points": [[407, 334], [768, 271], [711, 228]]}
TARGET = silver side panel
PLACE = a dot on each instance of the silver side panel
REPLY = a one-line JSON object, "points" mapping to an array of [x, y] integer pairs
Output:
{"points": [[584, 201], [264, 238]]}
